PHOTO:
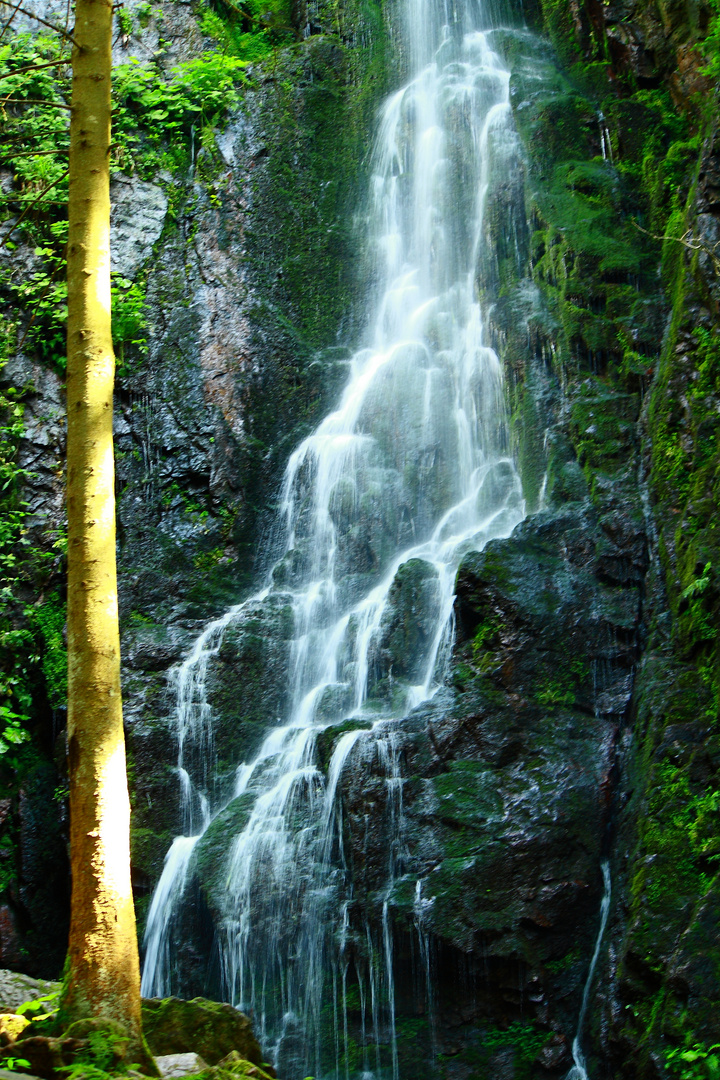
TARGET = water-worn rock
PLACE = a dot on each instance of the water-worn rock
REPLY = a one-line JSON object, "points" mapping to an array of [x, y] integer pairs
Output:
{"points": [[47, 1055], [171, 1065], [508, 776]]}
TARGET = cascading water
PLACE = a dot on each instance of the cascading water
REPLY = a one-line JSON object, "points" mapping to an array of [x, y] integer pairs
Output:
{"points": [[408, 474]]}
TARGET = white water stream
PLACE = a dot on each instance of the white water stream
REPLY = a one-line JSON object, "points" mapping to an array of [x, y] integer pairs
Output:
{"points": [[411, 465]]}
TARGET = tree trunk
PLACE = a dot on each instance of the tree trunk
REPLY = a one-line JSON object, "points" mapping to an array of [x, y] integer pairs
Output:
{"points": [[104, 972]]}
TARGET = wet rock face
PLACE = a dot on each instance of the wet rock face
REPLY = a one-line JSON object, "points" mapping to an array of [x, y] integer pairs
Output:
{"points": [[247, 684], [510, 772], [137, 218], [409, 622]]}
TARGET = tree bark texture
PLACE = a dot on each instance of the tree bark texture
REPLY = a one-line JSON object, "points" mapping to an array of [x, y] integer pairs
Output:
{"points": [[103, 978]]}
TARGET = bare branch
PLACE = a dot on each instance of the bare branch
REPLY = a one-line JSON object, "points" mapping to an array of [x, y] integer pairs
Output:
{"points": [[35, 67], [34, 153], [692, 243], [38, 18], [33, 101], [7, 25]]}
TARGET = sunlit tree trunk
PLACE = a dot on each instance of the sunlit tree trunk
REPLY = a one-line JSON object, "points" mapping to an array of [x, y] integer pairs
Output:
{"points": [[103, 979]]}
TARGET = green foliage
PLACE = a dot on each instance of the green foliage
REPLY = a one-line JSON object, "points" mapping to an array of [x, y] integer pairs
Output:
{"points": [[711, 45], [32, 658], [249, 30], [155, 117], [41, 1007], [129, 318], [561, 688], [12, 1064], [486, 635], [682, 830], [557, 967], [526, 1040], [33, 147], [698, 1062], [48, 619], [125, 22], [700, 614]]}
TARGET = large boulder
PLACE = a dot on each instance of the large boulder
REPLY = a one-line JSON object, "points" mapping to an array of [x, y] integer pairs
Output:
{"points": [[16, 989], [208, 1028]]}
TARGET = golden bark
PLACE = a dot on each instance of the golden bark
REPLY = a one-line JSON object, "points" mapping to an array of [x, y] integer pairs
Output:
{"points": [[104, 973]]}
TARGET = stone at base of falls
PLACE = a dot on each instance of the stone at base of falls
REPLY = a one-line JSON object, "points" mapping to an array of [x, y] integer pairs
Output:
{"points": [[11, 1026], [47, 1055], [171, 1065], [15, 989], [208, 1028], [235, 1067], [6, 1074], [232, 1067]]}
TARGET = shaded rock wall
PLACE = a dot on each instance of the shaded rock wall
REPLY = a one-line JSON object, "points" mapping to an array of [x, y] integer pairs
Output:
{"points": [[620, 365]]}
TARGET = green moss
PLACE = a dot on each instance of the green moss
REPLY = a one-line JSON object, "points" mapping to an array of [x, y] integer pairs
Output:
{"points": [[467, 795], [558, 967], [525, 1040], [49, 619], [211, 1029], [561, 687]]}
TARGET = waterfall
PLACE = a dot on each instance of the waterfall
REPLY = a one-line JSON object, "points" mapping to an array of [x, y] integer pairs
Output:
{"points": [[378, 505], [579, 1069]]}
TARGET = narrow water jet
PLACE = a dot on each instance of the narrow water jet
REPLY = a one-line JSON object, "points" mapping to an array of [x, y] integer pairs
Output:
{"points": [[579, 1069]]}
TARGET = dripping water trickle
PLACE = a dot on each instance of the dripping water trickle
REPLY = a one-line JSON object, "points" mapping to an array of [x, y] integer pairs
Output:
{"points": [[579, 1069]]}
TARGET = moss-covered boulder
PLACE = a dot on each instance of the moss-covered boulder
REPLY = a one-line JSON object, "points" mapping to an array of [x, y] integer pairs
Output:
{"points": [[235, 1067], [208, 1028]]}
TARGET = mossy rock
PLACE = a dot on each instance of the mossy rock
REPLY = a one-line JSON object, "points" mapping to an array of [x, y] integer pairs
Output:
{"points": [[409, 620], [235, 1067], [210, 859], [328, 739], [211, 1029]]}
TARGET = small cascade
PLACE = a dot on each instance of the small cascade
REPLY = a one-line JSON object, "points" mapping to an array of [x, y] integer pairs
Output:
{"points": [[194, 731], [421, 909], [579, 1069], [378, 506]]}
